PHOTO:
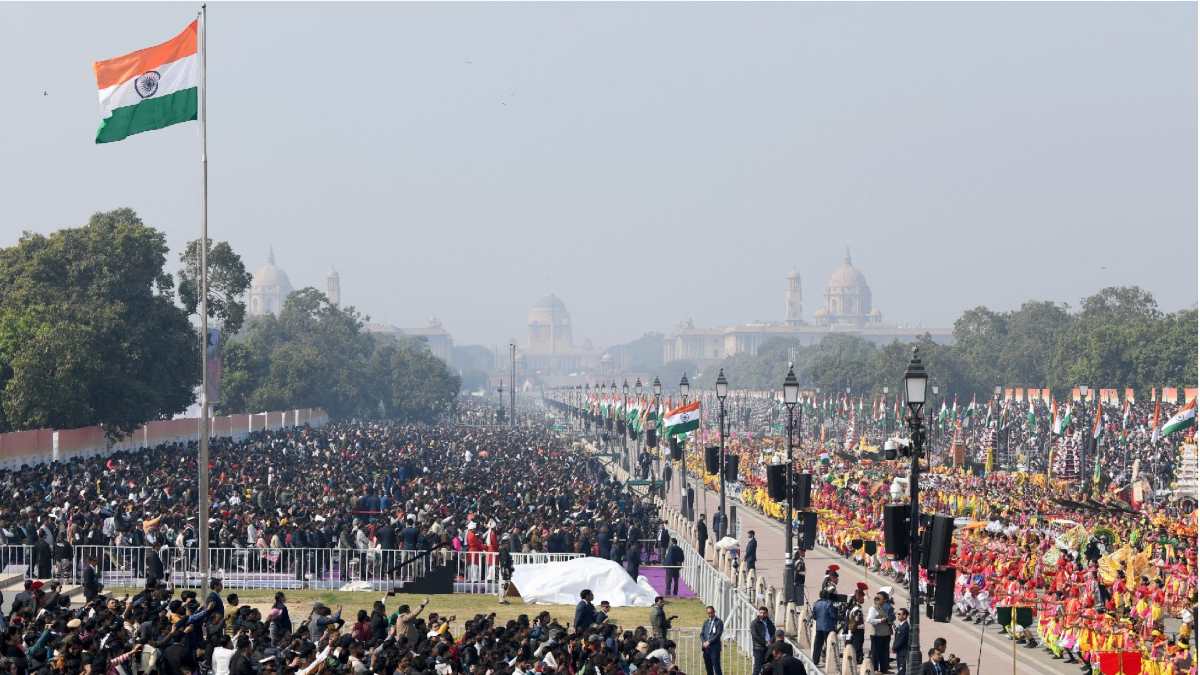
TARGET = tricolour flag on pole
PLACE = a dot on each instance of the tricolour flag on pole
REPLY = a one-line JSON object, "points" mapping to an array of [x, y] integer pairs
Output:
{"points": [[1061, 423], [149, 89], [1181, 420], [683, 419]]}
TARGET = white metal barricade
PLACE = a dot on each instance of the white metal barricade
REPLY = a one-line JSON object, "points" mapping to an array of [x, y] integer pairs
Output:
{"points": [[273, 568], [480, 573]]}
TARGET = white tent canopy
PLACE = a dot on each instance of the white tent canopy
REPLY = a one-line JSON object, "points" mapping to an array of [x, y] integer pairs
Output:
{"points": [[562, 582]]}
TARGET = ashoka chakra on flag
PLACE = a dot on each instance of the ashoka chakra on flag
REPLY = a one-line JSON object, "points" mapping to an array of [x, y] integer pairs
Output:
{"points": [[149, 89]]}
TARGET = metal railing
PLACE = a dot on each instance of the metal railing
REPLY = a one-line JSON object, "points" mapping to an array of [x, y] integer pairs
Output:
{"points": [[734, 606], [480, 573], [273, 568], [689, 656]]}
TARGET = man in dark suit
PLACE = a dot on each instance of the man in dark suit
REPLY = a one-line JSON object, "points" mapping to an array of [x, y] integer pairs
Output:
{"points": [[91, 581], [674, 564], [751, 556], [784, 663], [710, 641], [762, 633], [935, 665], [701, 536], [585, 613], [154, 566], [900, 641]]}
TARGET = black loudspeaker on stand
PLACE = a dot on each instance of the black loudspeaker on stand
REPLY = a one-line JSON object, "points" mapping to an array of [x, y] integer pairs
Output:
{"points": [[895, 529], [941, 534], [712, 459], [802, 491], [808, 530], [731, 468], [943, 595], [777, 481]]}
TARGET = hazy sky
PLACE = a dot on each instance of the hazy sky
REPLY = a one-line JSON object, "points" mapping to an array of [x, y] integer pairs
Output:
{"points": [[646, 162]]}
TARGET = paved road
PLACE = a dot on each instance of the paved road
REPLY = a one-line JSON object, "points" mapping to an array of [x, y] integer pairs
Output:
{"points": [[963, 639]]}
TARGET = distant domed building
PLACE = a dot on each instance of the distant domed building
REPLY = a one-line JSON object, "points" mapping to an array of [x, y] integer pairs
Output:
{"points": [[551, 349], [269, 287], [847, 298], [847, 310], [549, 327]]}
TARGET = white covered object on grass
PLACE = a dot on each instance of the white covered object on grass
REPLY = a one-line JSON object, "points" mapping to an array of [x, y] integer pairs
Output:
{"points": [[561, 583]]}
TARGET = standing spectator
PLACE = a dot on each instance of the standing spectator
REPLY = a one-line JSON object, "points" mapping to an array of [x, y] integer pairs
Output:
{"points": [[585, 613], [762, 632], [701, 536], [881, 634], [826, 620], [91, 581], [674, 565], [660, 623], [710, 641], [751, 555], [900, 641]]}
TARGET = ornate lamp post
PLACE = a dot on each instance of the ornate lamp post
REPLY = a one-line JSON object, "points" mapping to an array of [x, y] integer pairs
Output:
{"points": [[624, 425], [791, 394], [685, 388], [915, 383], [722, 392], [654, 423]]}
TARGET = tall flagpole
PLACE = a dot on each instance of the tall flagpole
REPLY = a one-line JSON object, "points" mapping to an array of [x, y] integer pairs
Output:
{"points": [[202, 460]]}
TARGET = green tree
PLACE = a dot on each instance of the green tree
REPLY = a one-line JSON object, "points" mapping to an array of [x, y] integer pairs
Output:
{"points": [[423, 389], [227, 283], [89, 332]]}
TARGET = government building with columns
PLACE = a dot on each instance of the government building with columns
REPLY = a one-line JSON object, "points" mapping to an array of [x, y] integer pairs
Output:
{"points": [[847, 309]]}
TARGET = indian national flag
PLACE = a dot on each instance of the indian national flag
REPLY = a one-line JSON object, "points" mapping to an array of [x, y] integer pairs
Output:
{"points": [[1061, 423], [683, 419], [1181, 420], [149, 89]]}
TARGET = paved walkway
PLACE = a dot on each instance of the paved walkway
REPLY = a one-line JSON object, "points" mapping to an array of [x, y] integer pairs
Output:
{"points": [[993, 657]]}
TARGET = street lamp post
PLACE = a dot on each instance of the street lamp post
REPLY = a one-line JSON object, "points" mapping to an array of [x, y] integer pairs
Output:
{"points": [[1084, 390], [915, 381], [722, 392], [624, 425], [791, 393], [684, 389], [887, 421], [996, 394], [500, 399], [637, 388], [933, 406], [655, 422]]}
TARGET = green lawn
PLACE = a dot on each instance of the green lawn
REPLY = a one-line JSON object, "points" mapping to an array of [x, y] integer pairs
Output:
{"points": [[461, 605]]}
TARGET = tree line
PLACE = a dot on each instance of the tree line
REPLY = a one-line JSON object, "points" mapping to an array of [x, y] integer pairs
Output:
{"points": [[95, 331], [1116, 338]]}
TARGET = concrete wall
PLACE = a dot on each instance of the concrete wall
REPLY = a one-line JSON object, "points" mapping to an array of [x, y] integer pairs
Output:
{"points": [[39, 446]]}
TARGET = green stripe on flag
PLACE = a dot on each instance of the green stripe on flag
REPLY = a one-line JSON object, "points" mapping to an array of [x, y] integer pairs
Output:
{"points": [[148, 115]]}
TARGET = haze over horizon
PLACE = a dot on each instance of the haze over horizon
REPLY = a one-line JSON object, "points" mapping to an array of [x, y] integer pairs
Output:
{"points": [[646, 163]]}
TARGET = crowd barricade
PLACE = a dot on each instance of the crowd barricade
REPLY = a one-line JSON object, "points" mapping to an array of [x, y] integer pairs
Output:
{"points": [[480, 573], [736, 605], [690, 657], [16, 559], [269, 568]]}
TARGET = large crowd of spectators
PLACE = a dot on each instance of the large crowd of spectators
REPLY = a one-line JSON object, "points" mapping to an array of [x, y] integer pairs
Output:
{"points": [[355, 487]]}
